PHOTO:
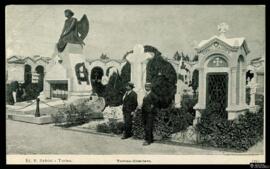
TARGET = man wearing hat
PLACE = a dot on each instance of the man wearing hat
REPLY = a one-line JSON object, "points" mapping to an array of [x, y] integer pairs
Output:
{"points": [[148, 113], [130, 104]]}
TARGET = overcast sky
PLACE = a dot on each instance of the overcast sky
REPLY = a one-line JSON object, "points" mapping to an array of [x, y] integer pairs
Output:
{"points": [[114, 30]]}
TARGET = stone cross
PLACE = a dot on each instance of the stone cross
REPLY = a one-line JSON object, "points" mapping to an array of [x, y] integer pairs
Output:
{"points": [[138, 61], [217, 61], [223, 28]]}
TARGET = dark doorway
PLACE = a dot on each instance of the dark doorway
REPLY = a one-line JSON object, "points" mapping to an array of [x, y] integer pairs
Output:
{"points": [[96, 76], [27, 75], [217, 92], [40, 71]]}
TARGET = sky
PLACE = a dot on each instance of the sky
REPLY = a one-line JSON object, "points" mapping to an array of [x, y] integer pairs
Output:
{"points": [[116, 29]]}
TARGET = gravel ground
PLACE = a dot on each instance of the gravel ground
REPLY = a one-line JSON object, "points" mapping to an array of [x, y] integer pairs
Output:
{"points": [[26, 138]]}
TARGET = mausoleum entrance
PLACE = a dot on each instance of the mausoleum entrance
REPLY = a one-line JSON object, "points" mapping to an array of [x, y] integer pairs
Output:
{"points": [[217, 91]]}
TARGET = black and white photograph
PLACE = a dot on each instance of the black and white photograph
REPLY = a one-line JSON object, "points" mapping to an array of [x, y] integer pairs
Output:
{"points": [[135, 84]]}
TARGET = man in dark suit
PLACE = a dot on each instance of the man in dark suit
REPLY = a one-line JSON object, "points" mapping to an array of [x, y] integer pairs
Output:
{"points": [[130, 104], [148, 113]]}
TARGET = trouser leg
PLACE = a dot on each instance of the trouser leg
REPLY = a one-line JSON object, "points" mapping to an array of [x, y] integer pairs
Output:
{"points": [[128, 124], [149, 128], [14, 97]]}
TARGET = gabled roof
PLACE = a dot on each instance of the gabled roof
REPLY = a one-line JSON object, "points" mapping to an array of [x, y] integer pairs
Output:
{"points": [[230, 42], [233, 42], [20, 59]]}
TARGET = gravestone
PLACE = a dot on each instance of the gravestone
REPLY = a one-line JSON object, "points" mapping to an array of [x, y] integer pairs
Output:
{"points": [[138, 61]]}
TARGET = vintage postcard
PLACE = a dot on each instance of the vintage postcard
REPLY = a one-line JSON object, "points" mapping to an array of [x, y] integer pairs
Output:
{"points": [[135, 84]]}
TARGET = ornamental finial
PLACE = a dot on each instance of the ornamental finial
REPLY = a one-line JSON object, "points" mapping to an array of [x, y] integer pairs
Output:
{"points": [[223, 28]]}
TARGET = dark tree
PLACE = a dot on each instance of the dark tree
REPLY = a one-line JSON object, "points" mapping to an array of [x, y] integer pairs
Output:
{"points": [[196, 58], [114, 90], [195, 80], [162, 76], [160, 73], [177, 56]]}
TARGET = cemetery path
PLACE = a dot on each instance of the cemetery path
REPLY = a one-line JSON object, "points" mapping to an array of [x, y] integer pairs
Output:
{"points": [[26, 138]]}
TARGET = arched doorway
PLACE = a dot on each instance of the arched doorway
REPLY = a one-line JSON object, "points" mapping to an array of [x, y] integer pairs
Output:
{"points": [[40, 70], [217, 85], [96, 76], [27, 75]]}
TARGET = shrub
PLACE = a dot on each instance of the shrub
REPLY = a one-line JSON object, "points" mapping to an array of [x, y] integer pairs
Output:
{"points": [[114, 91], [137, 125], [32, 91], [72, 115], [112, 126], [166, 122], [103, 128], [116, 127], [9, 98], [238, 134], [187, 104]]}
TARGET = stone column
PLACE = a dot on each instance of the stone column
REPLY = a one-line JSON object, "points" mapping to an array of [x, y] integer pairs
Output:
{"points": [[233, 86], [243, 88], [201, 98], [178, 94], [202, 89]]}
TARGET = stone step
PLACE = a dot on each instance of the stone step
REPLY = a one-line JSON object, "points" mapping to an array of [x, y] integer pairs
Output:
{"points": [[46, 119]]}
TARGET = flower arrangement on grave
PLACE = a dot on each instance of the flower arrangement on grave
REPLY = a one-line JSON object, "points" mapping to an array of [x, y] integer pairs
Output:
{"points": [[113, 113]]}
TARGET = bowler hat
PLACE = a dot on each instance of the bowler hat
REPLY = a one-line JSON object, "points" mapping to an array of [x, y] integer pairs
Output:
{"points": [[130, 84]]}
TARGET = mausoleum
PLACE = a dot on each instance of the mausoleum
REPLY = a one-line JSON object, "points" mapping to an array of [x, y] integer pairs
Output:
{"points": [[222, 74]]}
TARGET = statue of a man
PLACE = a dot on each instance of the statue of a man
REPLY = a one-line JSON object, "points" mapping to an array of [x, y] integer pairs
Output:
{"points": [[74, 31]]}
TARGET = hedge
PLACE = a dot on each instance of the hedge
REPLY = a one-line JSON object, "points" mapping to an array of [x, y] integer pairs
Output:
{"points": [[167, 121], [239, 134]]}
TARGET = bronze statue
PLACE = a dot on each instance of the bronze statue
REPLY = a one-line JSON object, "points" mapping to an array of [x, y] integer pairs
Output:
{"points": [[74, 31]]}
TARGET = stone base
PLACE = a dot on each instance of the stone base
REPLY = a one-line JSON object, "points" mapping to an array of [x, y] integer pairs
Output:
{"points": [[188, 136], [51, 107], [31, 118], [235, 112], [254, 109], [80, 94]]}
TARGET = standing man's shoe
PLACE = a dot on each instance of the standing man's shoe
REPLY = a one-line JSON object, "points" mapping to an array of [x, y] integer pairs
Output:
{"points": [[125, 137], [146, 143]]}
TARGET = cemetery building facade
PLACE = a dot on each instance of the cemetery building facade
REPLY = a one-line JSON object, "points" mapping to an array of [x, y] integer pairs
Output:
{"points": [[21, 68]]}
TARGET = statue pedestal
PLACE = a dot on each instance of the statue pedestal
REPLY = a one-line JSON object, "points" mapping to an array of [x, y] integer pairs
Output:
{"points": [[65, 73], [73, 55]]}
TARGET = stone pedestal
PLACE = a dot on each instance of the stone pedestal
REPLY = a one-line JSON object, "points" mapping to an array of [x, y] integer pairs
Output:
{"points": [[73, 55], [235, 111], [179, 93], [64, 72]]}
